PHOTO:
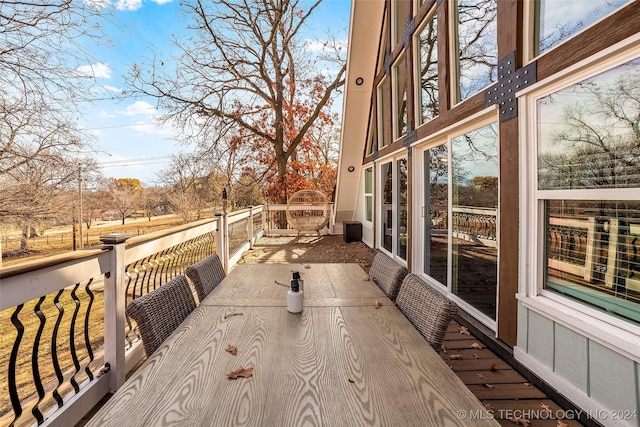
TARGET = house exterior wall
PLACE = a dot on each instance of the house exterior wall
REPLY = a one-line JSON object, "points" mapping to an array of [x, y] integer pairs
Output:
{"points": [[566, 320]]}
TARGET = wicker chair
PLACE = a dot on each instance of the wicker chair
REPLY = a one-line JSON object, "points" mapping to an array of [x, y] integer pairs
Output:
{"points": [[206, 275], [428, 310], [159, 312], [387, 274]]}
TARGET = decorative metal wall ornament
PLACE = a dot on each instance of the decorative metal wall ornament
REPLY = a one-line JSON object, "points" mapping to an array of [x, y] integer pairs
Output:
{"points": [[410, 138], [510, 81], [409, 27]]}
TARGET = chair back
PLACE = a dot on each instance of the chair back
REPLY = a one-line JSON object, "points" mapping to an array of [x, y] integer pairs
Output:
{"points": [[387, 274], [428, 310], [206, 275], [161, 311]]}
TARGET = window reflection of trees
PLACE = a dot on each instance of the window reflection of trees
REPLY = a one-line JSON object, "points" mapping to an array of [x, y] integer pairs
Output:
{"points": [[428, 52], [477, 45], [595, 141]]}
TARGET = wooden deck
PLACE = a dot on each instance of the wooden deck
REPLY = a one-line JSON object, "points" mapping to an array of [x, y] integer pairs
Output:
{"points": [[511, 398]]}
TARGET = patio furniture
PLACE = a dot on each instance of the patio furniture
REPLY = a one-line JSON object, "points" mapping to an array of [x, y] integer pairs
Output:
{"points": [[427, 309], [159, 312], [387, 274], [342, 361], [308, 210], [206, 275]]}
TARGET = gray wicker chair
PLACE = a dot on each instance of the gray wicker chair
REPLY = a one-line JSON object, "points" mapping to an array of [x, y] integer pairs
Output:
{"points": [[206, 275], [159, 312], [387, 274], [428, 310]]}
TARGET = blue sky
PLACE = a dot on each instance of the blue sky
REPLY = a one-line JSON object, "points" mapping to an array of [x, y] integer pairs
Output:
{"points": [[130, 144]]}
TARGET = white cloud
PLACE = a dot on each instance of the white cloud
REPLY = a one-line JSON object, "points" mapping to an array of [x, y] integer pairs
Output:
{"points": [[128, 4], [97, 70], [161, 1], [104, 113], [319, 46], [138, 108], [108, 88]]}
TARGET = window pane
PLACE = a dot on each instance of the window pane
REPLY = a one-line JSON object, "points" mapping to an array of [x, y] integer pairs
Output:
{"points": [[400, 97], [402, 208], [474, 159], [368, 196], [428, 72], [400, 15], [477, 46], [436, 221], [384, 114], [557, 20], [386, 174], [593, 254], [588, 132]]}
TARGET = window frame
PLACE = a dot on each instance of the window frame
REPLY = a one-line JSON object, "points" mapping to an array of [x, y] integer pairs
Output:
{"points": [[369, 195], [417, 77], [607, 329]]}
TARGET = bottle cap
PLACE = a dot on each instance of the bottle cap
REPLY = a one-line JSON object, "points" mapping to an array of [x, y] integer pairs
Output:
{"points": [[296, 275]]}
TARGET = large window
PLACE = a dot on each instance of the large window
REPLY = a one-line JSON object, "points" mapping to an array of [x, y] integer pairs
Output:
{"points": [[402, 209], [474, 218], [400, 15], [557, 20], [427, 45], [384, 114], [588, 182], [436, 213], [477, 46], [386, 225]]}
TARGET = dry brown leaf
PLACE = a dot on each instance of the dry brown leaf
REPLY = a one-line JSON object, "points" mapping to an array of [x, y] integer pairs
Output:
{"points": [[492, 367], [377, 304], [475, 356], [482, 377], [443, 348], [527, 384], [488, 406], [521, 421], [367, 279], [240, 372], [476, 346], [307, 266], [463, 330], [545, 407], [455, 357], [232, 349], [489, 386], [560, 423]]}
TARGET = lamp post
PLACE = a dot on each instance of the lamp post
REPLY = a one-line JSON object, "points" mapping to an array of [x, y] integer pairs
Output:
{"points": [[80, 205]]}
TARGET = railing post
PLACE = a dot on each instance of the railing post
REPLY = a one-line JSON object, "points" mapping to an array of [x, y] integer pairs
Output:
{"points": [[250, 227], [114, 311], [265, 216], [222, 241]]}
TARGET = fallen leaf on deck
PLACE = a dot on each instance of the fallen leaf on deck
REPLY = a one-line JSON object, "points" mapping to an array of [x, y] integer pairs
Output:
{"points": [[492, 367], [545, 407], [443, 348], [463, 330], [489, 386], [455, 357], [307, 266], [475, 356], [377, 304], [482, 377], [488, 406], [562, 424], [521, 421], [527, 384], [232, 349], [368, 278], [476, 346], [240, 372]]}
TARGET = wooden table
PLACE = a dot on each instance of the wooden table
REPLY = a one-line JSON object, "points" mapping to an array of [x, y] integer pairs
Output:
{"points": [[341, 362]]}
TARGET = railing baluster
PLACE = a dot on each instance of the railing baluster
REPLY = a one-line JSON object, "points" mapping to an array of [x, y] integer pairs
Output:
{"points": [[34, 361], [13, 391], [54, 348], [72, 341], [87, 338]]}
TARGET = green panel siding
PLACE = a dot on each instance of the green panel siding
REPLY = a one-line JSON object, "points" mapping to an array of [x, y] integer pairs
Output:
{"points": [[523, 327], [572, 357], [540, 340], [612, 379]]}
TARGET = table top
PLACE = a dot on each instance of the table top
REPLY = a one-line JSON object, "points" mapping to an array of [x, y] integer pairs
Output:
{"points": [[350, 358]]}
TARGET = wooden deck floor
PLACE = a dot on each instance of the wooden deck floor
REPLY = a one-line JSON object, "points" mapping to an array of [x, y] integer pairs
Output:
{"points": [[511, 399]]}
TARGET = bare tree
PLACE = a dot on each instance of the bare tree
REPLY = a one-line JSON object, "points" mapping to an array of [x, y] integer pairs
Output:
{"points": [[243, 66]]}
